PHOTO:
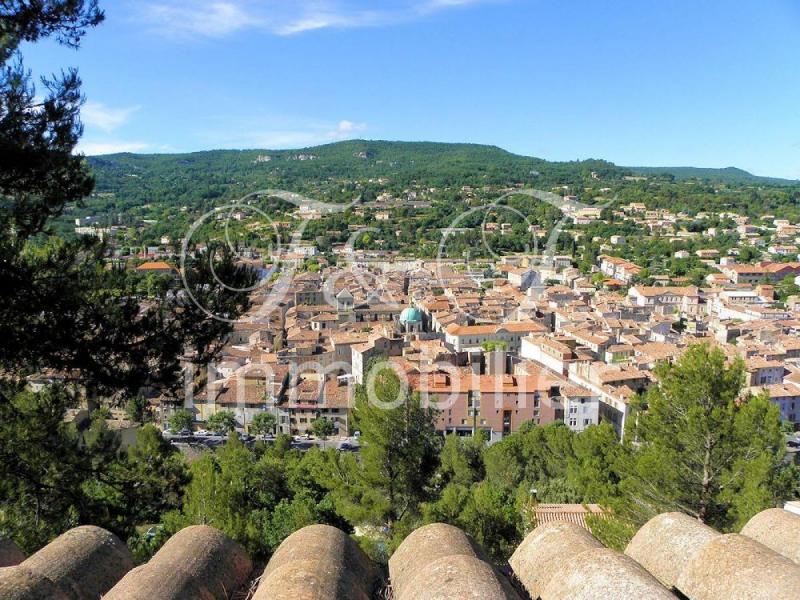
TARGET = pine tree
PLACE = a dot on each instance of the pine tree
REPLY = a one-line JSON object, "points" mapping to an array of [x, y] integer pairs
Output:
{"points": [[399, 455], [699, 447], [62, 309]]}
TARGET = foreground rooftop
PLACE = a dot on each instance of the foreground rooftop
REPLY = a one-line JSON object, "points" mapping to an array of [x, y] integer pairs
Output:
{"points": [[671, 556]]}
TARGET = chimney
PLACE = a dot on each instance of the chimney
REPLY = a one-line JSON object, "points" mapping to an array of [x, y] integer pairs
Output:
{"points": [[766, 291], [496, 362], [475, 362]]}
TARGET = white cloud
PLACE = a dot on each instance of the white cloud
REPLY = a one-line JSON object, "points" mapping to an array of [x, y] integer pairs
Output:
{"points": [[216, 18], [97, 114], [346, 129], [95, 148], [438, 4], [312, 19], [199, 17], [301, 133]]}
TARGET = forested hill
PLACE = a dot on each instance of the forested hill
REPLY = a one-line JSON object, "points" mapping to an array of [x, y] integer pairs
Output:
{"points": [[198, 176], [728, 175], [341, 171]]}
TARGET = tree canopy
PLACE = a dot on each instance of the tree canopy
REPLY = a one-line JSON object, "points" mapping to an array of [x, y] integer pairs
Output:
{"points": [[702, 449], [65, 310]]}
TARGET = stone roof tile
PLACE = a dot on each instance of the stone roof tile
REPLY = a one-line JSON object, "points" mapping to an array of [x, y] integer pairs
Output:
{"points": [[777, 529], [667, 543]]}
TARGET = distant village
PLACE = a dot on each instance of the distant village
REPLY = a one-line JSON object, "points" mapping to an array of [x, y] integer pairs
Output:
{"points": [[525, 338]]}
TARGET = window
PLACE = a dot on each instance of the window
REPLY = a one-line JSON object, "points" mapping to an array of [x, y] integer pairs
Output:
{"points": [[573, 422], [506, 422], [587, 422], [573, 410]]}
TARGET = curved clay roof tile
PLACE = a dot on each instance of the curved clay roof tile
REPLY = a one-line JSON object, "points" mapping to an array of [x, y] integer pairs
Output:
{"points": [[82, 563], [667, 543], [457, 577], [544, 549], [735, 566], [425, 545], [602, 574], [18, 583], [777, 529], [318, 562], [198, 562]]}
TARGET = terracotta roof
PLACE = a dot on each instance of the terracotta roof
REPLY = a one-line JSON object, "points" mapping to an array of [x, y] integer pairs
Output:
{"points": [[318, 561], [197, 562], [655, 291], [672, 555], [513, 327], [565, 513], [155, 266], [84, 562]]}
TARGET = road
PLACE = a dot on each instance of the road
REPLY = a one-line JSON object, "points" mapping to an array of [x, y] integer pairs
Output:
{"points": [[346, 444]]}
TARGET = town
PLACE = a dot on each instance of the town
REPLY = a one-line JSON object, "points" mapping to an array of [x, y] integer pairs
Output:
{"points": [[256, 346], [525, 338]]}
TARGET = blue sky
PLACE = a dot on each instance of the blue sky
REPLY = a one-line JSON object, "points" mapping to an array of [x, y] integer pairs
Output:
{"points": [[638, 82]]}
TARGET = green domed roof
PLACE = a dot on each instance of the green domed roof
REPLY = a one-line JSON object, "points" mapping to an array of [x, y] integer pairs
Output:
{"points": [[410, 315]]}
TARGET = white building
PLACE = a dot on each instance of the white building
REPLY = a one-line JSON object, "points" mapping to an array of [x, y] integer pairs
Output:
{"points": [[469, 338]]}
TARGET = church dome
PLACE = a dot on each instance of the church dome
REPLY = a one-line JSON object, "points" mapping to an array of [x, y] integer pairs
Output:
{"points": [[410, 315]]}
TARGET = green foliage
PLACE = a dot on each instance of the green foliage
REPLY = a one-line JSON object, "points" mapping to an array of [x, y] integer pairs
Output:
{"points": [[785, 288], [534, 455], [228, 174], [322, 427], [256, 497], [52, 477], [61, 308], [612, 531], [42, 468], [492, 518], [180, 419], [461, 461], [263, 423], [492, 345], [700, 451], [483, 489], [156, 474], [222, 421], [592, 470], [137, 409], [399, 456], [730, 175]]}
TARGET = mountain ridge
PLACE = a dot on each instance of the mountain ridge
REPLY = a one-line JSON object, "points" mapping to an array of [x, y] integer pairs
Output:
{"points": [[722, 174], [363, 157]]}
